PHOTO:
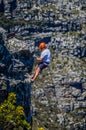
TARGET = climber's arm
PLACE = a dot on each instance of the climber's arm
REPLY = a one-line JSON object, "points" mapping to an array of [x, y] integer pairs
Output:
{"points": [[39, 59]]}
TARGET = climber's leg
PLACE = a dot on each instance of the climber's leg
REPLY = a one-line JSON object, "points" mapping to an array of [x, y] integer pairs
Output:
{"points": [[38, 68]]}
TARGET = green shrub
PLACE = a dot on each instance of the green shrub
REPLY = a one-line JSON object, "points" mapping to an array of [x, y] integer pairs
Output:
{"points": [[12, 115]]}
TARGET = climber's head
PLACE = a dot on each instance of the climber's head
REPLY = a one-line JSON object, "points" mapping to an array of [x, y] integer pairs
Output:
{"points": [[42, 45]]}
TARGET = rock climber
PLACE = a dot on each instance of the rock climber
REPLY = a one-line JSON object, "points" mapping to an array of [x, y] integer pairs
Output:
{"points": [[43, 60]]}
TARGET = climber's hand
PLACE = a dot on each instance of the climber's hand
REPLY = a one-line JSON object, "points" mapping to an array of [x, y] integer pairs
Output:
{"points": [[34, 56]]}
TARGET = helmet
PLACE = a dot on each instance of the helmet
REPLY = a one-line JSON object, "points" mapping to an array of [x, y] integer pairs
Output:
{"points": [[42, 45]]}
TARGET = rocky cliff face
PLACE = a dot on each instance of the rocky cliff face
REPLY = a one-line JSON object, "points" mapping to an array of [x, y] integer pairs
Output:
{"points": [[15, 61], [59, 93]]}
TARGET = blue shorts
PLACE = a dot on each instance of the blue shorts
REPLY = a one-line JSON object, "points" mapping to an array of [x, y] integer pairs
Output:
{"points": [[42, 65]]}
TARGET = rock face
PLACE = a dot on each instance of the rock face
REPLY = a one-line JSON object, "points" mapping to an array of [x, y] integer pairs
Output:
{"points": [[15, 61], [59, 93]]}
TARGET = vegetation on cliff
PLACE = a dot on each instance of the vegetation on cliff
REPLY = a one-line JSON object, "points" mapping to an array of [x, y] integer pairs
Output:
{"points": [[12, 117], [9, 22]]}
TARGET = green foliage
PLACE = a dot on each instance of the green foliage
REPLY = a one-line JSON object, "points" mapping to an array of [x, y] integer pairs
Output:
{"points": [[9, 22], [41, 128], [6, 22], [49, 7], [75, 11], [12, 115]]}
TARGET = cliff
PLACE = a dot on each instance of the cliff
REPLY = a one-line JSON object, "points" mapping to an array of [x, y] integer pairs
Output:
{"points": [[15, 61], [58, 96]]}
